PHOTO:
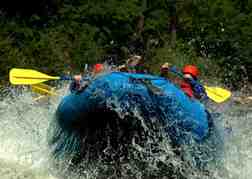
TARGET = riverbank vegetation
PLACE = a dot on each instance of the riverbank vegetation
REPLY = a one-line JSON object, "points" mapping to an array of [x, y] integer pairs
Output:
{"points": [[55, 36]]}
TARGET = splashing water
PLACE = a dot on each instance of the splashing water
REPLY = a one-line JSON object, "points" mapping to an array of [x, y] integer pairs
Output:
{"points": [[24, 123], [24, 151]]}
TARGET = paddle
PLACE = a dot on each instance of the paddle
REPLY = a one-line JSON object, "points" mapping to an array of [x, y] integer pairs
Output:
{"points": [[29, 77], [43, 89], [18, 76], [216, 94]]}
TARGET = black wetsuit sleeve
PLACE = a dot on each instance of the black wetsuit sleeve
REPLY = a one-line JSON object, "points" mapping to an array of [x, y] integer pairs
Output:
{"points": [[199, 90], [73, 87]]}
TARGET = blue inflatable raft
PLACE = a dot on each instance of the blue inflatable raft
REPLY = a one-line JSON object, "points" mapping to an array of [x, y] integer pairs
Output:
{"points": [[123, 94], [118, 112], [121, 117]]}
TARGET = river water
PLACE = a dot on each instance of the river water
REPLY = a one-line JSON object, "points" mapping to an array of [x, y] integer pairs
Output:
{"points": [[24, 153]]}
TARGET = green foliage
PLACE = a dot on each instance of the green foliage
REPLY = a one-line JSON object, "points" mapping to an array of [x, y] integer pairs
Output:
{"points": [[52, 50], [221, 30], [184, 54], [62, 35], [26, 8]]}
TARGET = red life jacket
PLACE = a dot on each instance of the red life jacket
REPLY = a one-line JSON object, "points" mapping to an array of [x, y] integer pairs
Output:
{"points": [[186, 87]]}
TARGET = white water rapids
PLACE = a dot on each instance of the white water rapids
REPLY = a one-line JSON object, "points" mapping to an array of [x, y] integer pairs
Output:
{"points": [[24, 152]]}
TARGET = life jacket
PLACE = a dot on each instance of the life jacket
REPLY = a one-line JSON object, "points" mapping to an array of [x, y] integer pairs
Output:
{"points": [[187, 88]]}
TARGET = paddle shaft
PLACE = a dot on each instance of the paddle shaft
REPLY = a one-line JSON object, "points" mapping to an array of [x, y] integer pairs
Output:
{"points": [[39, 78]]}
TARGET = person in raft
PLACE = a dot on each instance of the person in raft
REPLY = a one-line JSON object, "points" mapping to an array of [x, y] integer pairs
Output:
{"points": [[133, 65], [164, 72], [78, 84], [189, 84]]}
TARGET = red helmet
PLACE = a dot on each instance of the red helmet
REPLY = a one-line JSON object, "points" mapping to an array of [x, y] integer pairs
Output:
{"points": [[98, 67], [191, 69]]}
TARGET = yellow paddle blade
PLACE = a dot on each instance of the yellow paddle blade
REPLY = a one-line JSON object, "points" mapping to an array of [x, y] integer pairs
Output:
{"points": [[19, 76], [43, 89], [217, 94]]}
